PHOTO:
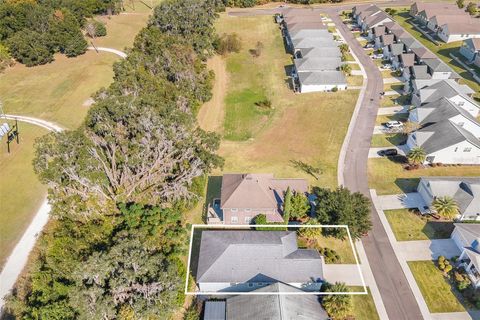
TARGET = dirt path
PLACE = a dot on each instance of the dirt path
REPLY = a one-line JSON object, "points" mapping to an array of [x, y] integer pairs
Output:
{"points": [[211, 115]]}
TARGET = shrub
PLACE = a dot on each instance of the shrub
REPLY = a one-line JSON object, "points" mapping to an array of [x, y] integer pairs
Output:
{"points": [[95, 29], [334, 89], [30, 48], [462, 282], [227, 43], [330, 255], [266, 103], [448, 268], [5, 58]]}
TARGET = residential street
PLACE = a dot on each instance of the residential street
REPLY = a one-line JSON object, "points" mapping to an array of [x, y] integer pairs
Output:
{"points": [[394, 288]]}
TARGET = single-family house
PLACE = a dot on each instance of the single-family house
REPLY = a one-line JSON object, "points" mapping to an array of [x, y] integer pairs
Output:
{"points": [[439, 69], [465, 191], [420, 72], [279, 306], [394, 50], [422, 53], [427, 14], [245, 260], [462, 30], [310, 33], [425, 91], [390, 26], [418, 7], [444, 109], [244, 196], [376, 32], [375, 20], [317, 52], [360, 13], [403, 61], [306, 26], [316, 81], [446, 142], [383, 42], [410, 43], [467, 239], [470, 49], [316, 64], [441, 19], [313, 42]]}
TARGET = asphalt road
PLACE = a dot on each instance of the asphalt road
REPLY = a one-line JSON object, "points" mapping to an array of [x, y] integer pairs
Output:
{"points": [[397, 297]]}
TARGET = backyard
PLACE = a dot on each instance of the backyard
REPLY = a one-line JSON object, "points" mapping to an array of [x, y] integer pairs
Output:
{"points": [[435, 288], [408, 225], [387, 176]]}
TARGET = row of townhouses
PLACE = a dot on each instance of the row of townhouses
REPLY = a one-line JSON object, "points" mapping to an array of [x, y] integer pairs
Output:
{"points": [[444, 110], [317, 58], [447, 21]]}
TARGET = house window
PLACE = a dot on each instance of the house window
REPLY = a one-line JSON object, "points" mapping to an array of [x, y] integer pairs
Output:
{"points": [[460, 124], [460, 103], [234, 209], [456, 149], [248, 209], [234, 219], [250, 285], [247, 219], [430, 159], [467, 149]]}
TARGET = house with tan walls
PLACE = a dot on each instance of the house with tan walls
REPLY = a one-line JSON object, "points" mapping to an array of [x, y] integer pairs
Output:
{"points": [[244, 196]]}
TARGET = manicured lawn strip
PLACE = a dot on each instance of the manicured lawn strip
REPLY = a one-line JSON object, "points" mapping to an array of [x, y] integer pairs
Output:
{"points": [[354, 66], [349, 57], [391, 117], [21, 194], [442, 51], [388, 140], [56, 91], [389, 177], [364, 307], [354, 80], [435, 289], [394, 100], [407, 225], [393, 87]]}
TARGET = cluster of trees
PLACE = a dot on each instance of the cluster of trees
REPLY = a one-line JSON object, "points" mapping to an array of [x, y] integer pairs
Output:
{"points": [[251, 3], [34, 30], [120, 183]]}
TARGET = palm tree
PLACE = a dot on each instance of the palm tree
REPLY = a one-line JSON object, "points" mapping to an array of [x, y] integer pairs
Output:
{"points": [[445, 206], [337, 306], [417, 155], [346, 68]]}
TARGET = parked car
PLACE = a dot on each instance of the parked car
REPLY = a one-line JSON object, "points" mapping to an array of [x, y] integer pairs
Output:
{"points": [[369, 45], [387, 66], [388, 152], [356, 29], [393, 124], [378, 56]]}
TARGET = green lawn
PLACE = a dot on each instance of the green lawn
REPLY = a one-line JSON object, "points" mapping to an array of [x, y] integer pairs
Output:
{"points": [[57, 91], [364, 307], [388, 140], [391, 117], [435, 289], [394, 100], [387, 176], [407, 225], [442, 51], [342, 248], [21, 194], [298, 128], [354, 80], [393, 87]]}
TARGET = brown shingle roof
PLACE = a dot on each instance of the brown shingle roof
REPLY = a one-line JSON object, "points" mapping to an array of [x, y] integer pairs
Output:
{"points": [[408, 59]]}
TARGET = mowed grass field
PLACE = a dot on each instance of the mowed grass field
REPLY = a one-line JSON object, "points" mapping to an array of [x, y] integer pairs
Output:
{"points": [[389, 177], [20, 191], [57, 91], [303, 127]]}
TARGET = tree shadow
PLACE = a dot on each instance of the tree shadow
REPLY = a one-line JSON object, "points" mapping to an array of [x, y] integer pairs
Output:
{"points": [[214, 187], [437, 229], [195, 253]]}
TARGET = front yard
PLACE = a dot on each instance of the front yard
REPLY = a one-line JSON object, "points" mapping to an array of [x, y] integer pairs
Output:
{"points": [[387, 176], [364, 307], [435, 288], [388, 140], [407, 225]]}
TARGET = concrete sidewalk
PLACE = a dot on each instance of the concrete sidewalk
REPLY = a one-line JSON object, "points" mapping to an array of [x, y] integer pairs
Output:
{"points": [[392, 110]]}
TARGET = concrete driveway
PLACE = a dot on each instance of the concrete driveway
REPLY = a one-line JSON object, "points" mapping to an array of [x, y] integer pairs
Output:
{"points": [[401, 201], [392, 110], [373, 152], [347, 273], [427, 249]]}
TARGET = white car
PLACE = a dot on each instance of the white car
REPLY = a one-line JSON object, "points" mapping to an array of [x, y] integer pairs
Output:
{"points": [[378, 56], [393, 124], [387, 66]]}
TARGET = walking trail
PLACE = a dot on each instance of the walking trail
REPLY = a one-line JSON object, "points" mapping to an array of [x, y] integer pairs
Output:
{"points": [[19, 256], [111, 50]]}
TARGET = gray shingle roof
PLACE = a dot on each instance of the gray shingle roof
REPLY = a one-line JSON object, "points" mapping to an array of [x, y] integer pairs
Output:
{"points": [[423, 53], [214, 310], [313, 42], [258, 256], [317, 64], [443, 88], [323, 77], [275, 307], [464, 190], [396, 48], [408, 59], [421, 72], [320, 52], [410, 42], [468, 231], [443, 134], [306, 26], [437, 65], [440, 110], [387, 39], [473, 43], [310, 33]]}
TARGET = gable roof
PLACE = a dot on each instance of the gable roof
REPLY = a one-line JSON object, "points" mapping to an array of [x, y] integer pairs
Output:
{"points": [[299, 18], [377, 18], [289, 12], [306, 26], [396, 48], [443, 134], [259, 191], [323, 77], [317, 64], [410, 42], [314, 42], [408, 59], [256, 256], [440, 110], [320, 52], [443, 88], [463, 27], [423, 53], [473, 43], [387, 39], [310, 33], [469, 232], [379, 30], [429, 13], [278, 307], [390, 26], [421, 72]]}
